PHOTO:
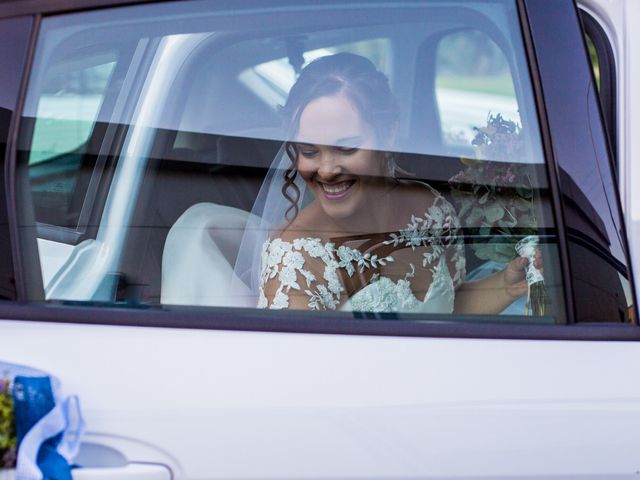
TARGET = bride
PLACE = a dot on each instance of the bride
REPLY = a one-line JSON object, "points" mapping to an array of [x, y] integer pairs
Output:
{"points": [[346, 231]]}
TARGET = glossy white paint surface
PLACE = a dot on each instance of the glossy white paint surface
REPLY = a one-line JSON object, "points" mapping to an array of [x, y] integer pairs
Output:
{"points": [[132, 471], [215, 404]]}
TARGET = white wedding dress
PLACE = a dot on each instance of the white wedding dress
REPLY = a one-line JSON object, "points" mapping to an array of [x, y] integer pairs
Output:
{"points": [[435, 233]]}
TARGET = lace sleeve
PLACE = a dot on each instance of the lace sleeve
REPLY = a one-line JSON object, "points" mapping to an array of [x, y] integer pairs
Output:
{"points": [[311, 274], [439, 230], [299, 274]]}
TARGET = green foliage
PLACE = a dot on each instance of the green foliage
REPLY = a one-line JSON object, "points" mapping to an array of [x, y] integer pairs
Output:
{"points": [[595, 61], [500, 84], [495, 199], [8, 440], [469, 60], [494, 194], [470, 52]]}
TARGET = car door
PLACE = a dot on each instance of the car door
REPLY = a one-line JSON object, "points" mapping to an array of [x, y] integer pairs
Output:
{"points": [[125, 118]]}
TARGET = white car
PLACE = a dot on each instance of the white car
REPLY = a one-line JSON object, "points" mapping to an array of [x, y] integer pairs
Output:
{"points": [[127, 127]]}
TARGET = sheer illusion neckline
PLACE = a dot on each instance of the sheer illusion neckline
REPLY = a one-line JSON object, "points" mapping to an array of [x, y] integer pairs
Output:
{"points": [[341, 271]]}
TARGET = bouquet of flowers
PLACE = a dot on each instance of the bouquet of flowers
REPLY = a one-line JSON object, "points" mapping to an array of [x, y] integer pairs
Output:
{"points": [[495, 200], [8, 439]]}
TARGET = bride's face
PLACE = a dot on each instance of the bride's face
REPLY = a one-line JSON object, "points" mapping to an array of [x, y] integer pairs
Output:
{"points": [[337, 157]]}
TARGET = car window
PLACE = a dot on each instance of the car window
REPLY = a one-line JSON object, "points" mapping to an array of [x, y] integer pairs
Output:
{"points": [[273, 79], [384, 160], [603, 64], [473, 80], [595, 61], [67, 103]]}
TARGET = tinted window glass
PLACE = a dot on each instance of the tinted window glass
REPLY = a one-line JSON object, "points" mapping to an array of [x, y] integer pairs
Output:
{"points": [[595, 61], [313, 162], [593, 219], [66, 100], [603, 64], [473, 79]]}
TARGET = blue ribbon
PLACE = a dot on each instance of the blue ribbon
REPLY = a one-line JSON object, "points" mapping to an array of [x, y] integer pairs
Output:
{"points": [[49, 428]]}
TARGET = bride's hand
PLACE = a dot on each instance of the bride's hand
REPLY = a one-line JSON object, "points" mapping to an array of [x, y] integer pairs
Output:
{"points": [[514, 275]]}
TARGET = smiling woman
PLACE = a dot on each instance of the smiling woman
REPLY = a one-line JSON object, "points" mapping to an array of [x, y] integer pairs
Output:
{"points": [[338, 161], [368, 240]]}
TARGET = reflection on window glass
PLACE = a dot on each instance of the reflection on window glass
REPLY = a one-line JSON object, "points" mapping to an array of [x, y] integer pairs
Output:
{"points": [[67, 109], [68, 103], [299, 164], [595, 61], [473, 79], [273, 79]]}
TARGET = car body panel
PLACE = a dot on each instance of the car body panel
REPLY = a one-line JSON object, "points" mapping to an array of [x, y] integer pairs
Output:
{"points": [[340, 406]]}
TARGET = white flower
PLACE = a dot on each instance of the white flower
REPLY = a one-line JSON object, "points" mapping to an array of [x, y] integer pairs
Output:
{"points": [[414, 240], [435, 212], [314, 247], [330, 275], [288, 278], [293, 260], [276, 250], [345, 254], [280, 301], [327, 299]]}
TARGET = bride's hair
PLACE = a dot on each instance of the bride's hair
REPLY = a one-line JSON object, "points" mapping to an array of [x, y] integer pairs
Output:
{"points": [[348, 74]]}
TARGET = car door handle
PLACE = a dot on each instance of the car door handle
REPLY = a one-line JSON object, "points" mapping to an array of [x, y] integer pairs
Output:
{"points": [[131, 471]]}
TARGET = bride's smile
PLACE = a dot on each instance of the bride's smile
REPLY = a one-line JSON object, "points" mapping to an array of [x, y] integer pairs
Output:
{"points": [[338, 190], [338, 160]]}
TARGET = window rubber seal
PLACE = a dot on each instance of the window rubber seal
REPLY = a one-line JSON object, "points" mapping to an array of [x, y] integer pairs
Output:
{"points": [[27, 287], [297, 321]]}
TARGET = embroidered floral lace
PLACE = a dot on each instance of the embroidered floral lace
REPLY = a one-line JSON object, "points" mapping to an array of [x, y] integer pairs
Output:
{"points": [[287, 264]]}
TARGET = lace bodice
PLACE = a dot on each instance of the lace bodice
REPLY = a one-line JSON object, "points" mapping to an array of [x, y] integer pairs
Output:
{"points": [[326, 271]]}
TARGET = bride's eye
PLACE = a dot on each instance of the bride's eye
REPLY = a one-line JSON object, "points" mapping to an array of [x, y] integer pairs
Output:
{"points": [[347, 150], [307, 151]]}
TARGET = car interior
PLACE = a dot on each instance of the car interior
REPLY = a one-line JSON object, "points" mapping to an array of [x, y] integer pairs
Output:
{"points": [[220, 129]]}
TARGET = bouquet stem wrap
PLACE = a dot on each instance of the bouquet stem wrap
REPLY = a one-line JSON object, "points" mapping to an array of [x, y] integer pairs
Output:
{"points": [[536, 297]]}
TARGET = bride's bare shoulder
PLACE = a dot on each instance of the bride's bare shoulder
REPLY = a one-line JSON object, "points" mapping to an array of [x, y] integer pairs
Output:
{"points": [[416, 197], [307, 224]]}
